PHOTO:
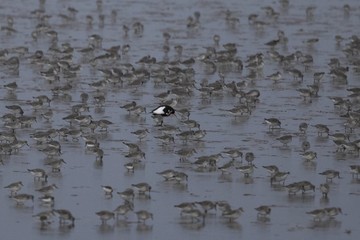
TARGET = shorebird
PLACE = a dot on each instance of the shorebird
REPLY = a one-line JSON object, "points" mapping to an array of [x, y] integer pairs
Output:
{"points": [[186, 206], [263, 211], [309, 156], [167, 174], [318, 214], [306, 186], [232, 214], [355, 170], [142, 187], [279, 177], [105, 216], [123, 209], [272, 123], [332, 211], [108, 190], [246, 170], [38, 174], [330, 174], [14, 187], [127, 194], [143, 215], [272, 169], [163, 110], [324, 188], [20, 199], [285, 139], [207, 205], [64, 216]]}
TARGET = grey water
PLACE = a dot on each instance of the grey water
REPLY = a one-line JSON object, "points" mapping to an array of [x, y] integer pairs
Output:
{"points": [[80, 179]]}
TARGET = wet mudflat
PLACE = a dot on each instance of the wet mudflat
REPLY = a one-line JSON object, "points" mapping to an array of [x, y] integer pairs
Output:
{"points": [[75, 63]]}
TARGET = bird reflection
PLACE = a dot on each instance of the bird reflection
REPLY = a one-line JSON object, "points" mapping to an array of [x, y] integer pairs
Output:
{"points": [[188, 225], [105, 228], [329, 223], [143, 227], [234, 225], [263, 219]]}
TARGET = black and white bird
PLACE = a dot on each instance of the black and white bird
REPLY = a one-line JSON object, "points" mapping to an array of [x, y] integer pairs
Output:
{"points": [[163, 110]]}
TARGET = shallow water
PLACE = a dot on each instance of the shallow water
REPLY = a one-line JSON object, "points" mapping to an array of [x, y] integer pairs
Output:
{"points": [[79, 183]]}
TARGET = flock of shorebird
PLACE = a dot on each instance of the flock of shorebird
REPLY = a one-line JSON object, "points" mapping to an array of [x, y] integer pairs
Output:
{"points": [[59, 78]]}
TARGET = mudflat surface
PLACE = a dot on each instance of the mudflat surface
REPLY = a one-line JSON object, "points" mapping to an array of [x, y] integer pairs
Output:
{"points": [[80, 179]]}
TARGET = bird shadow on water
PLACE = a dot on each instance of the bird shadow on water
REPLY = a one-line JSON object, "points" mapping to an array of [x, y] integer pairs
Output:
{"points": [[11, 96], [44, 226], [239, 120], [173, 185], [329, 223], [301, 198], [246, 180], [189, 225], [321, 139], [324, 200], [263, 221], [135, 118], [105, 228], [274, 132], [309, 165], [225, 177], [355, 181], [143, 196], [143, 227], [284, 148], [99, 110], [66, 228], [24, 208], [98, 164], [233, 225], [278, 187], [180, 187], [122, 223]]}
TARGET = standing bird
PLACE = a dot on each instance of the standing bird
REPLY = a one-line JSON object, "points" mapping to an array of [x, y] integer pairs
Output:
{"points": [[232, 214], [20, 199], [332, 211], [272, 169], [65, 215], [249, 157], [317, 214], [108, 190], [246, 170], [105, 216], [285, 139], [309, 155], [163, 110], [330, 174], [303, 127], [38, 173], [355, 170], [279, 177], [305, 145], [123, 209], [207, 205], [14, 188], [143, 215], [324, 188], [142, 187], [263, 211], [185, 206], [272, 123]]}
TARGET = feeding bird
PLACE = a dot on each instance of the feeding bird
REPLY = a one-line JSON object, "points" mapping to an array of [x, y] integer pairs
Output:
{"points": [[163, 110]]}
